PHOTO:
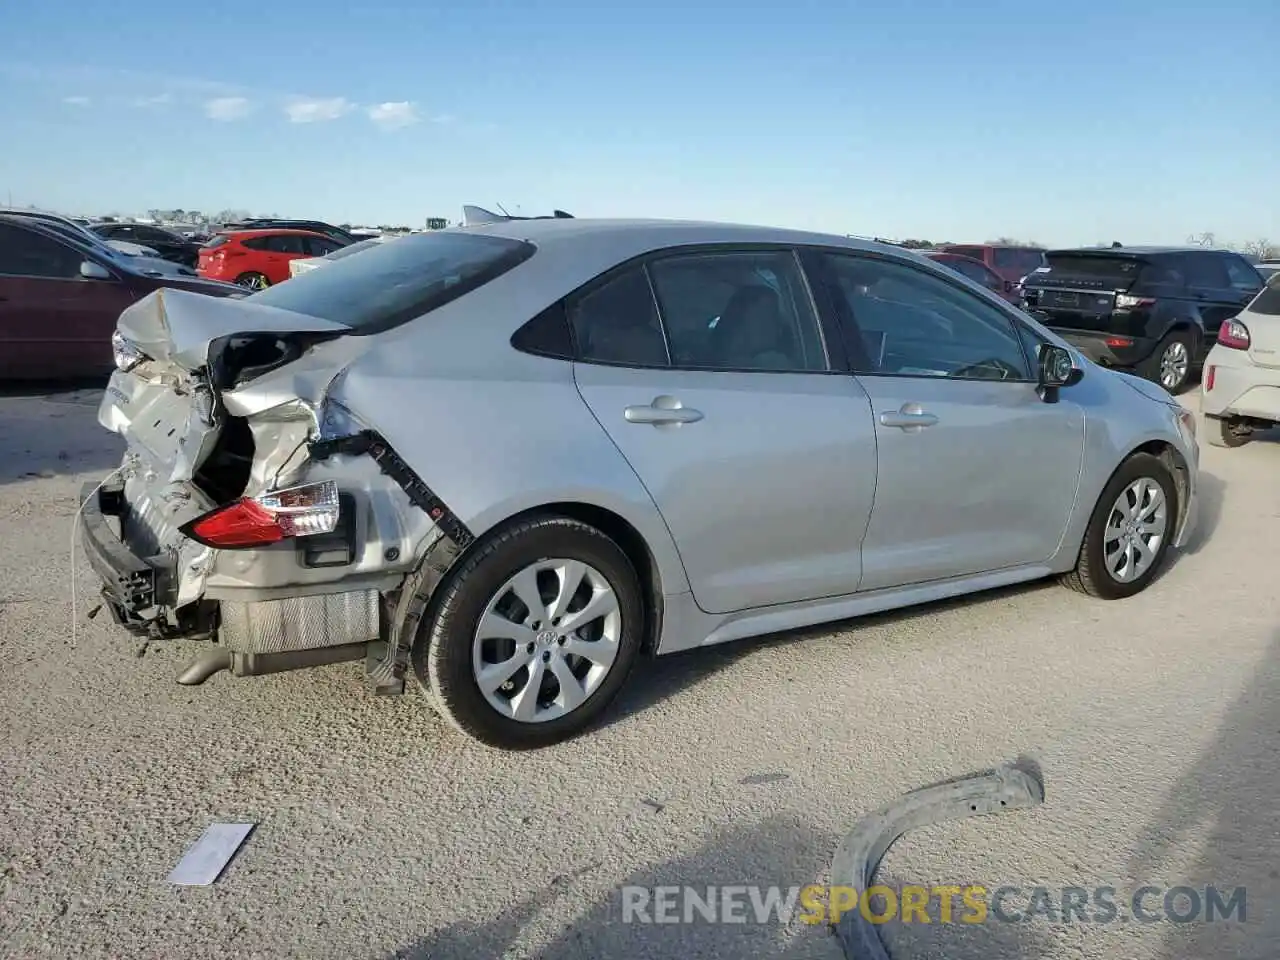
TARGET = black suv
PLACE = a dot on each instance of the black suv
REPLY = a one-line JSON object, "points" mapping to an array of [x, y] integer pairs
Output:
{"points": [[1154, 309]]}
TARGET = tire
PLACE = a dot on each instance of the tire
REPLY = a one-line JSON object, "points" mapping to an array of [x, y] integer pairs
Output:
{"points": [[253, 280], [1178, 342], [1092, 574], [445, 650], [1224, 433]]}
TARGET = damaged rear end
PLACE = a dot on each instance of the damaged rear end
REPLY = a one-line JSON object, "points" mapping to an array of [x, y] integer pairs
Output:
{"points": [[251, 509]]}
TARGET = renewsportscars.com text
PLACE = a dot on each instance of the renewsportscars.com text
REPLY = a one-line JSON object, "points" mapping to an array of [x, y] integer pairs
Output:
{"points": [[941, 904]]}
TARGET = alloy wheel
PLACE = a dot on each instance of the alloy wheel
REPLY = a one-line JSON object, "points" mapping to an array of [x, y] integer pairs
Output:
{"points": [[546, 641], [1135, 531], [1175, 362]]}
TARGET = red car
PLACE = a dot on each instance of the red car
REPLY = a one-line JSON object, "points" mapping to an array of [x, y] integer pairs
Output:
{"points": [[60, 298], [980, 273], [1012, 263], [259, 258]]}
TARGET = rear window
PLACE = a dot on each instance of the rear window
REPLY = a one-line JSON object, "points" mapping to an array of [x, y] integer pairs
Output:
{"points": [[395, 282], [1095, 267], [1018, 258], [1268, 301]]}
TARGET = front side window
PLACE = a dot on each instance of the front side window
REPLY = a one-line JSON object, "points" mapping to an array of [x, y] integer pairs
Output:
{"points": [[903, 321], [1242, 274], [738, 311], [617, 322], [25, 253], [1205, 270]]}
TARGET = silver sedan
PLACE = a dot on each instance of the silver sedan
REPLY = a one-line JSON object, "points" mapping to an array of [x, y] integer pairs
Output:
{"points": [[507, 461]]}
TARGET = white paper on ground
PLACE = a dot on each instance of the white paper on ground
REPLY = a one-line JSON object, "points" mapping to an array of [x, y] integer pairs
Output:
{"points": [[205, 859]]}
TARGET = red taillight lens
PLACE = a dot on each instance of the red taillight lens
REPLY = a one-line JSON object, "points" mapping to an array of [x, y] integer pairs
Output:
{"points": [[1210, 374], [1119, 342], [255, 521], [245, 523], [1234, 334]]}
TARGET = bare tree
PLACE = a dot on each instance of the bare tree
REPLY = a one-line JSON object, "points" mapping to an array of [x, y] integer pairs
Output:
{"points": [[1263, 249], [1206, 239]]}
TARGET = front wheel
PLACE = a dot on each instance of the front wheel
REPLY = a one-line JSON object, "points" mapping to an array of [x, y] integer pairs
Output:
{"points": [[534, 635], [253, 281], [1129, 532]]}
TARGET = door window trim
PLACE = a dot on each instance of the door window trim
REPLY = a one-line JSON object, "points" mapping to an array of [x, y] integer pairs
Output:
{"points": [[937, 272], [827, 335]]}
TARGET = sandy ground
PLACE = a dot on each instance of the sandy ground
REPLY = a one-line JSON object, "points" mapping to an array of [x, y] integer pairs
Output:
{"points": [[384, 834]]}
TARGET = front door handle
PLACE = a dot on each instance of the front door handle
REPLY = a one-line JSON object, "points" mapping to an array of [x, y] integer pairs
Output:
{"points": [[910, 417], [663, 410]]}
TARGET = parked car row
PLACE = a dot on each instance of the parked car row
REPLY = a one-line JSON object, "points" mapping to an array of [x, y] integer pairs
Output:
{"points": [[509, 460], [61, 293]]}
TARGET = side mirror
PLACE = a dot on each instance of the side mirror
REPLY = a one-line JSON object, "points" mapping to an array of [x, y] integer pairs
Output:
{"points": [[92, 270], [1057, 369]]}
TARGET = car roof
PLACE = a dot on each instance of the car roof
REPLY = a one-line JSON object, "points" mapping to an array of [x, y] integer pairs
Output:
{"points": [[1137, 251], [270, 232], [621, 239]]}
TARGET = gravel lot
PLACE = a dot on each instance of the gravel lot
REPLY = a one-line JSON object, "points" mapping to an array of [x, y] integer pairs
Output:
{"points": [[383, 834]]}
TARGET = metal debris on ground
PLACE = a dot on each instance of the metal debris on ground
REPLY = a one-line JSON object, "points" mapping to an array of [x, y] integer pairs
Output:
{"points": [[205, 859]]}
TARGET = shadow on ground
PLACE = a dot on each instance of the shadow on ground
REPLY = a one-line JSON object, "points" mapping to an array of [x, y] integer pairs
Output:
{"points": [[1231, 798], [45, 434], [782, 851]]}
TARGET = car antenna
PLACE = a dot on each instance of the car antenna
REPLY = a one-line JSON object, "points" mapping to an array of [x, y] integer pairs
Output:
{"points": [[504, 211]]}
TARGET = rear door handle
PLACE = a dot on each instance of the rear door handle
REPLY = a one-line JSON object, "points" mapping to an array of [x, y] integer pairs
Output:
{"points": [[663, 410], [910, 417]]}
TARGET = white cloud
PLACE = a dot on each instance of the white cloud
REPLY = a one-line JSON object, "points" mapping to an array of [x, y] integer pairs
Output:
{"points": [[394, 114], [227, 108], [159, 100], [308, 110], [76, 101]]}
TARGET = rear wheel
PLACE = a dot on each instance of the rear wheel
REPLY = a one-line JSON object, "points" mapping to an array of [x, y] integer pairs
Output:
{"points": [[1130, 531], [253, 281], [1170, 363], [534, 635], [1229, 433]]}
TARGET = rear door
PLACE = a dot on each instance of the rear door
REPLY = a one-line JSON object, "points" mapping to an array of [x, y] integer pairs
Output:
{"points": [[53, 322], [709, 372], [976, 473], [1210, 287]]}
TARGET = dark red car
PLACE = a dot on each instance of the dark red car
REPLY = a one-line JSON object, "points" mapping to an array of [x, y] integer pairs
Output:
{"points": [[1011, 263], [259, 258], [60, 300], [980, 273]]}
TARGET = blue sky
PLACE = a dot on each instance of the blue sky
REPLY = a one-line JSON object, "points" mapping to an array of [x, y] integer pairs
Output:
{"points": [[1064, 123]]}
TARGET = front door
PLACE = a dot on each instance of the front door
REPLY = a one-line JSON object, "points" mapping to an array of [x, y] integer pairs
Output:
{"points": [[708, 370], [976, 473]]}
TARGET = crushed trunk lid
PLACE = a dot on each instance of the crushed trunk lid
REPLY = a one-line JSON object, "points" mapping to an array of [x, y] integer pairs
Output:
{"points": [[190, 329]]}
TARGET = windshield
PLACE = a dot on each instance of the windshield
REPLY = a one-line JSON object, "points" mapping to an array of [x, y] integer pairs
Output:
{"points": [[393, 283]]}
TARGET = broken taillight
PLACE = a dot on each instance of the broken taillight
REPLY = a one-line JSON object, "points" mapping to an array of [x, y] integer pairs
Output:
{"points": [[302, 511], [125, 352]]}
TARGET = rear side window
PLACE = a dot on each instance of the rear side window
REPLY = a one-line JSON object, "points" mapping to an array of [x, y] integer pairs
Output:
{"points": [[217, 241], [1205, 270], [1267, 302], [394, 283], [617, 322], [1242, 274]]}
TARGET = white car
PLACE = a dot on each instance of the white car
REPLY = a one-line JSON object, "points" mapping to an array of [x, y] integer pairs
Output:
{"points": [[1240, 389], [310, 263]]}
